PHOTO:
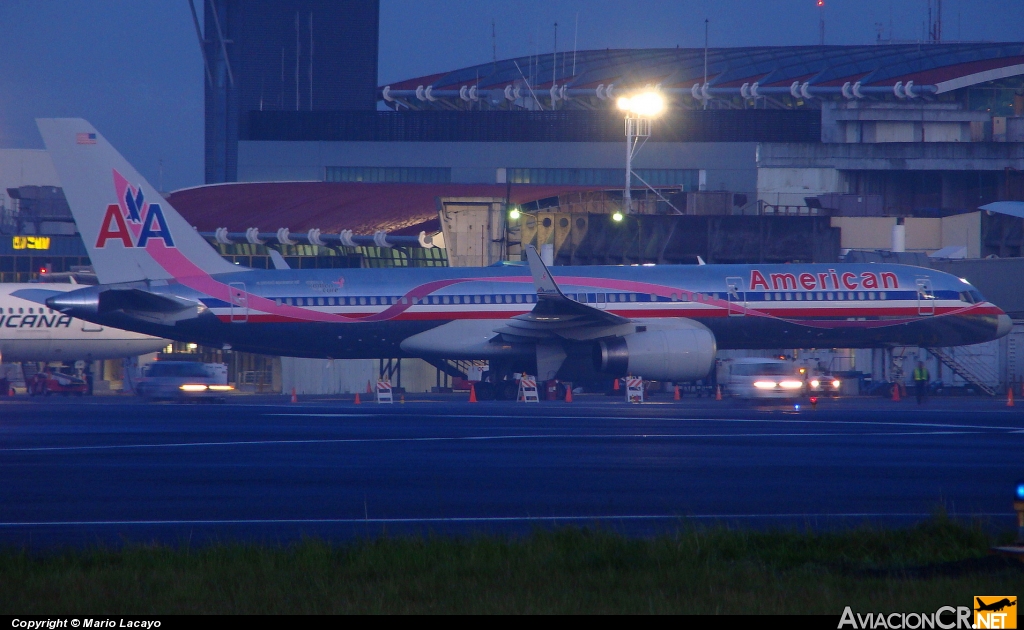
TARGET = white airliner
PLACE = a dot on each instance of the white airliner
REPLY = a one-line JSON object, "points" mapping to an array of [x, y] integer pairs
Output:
{"points": [[32, 332]]}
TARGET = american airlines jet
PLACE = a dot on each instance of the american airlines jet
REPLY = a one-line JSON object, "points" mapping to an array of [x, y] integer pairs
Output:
{"points": [[30, 331], [159, 277]]}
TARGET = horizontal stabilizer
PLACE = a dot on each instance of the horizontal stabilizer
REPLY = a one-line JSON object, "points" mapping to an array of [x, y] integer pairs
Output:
{"points": [[137, 300]]}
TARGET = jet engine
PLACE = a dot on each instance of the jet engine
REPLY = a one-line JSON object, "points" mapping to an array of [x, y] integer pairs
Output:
{"points": [[682, 351]]}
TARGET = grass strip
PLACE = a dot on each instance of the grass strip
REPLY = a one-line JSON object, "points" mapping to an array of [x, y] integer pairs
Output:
{"points": [[694, 570]]}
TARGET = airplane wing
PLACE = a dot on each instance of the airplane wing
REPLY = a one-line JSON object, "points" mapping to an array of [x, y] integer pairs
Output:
{"points": [[39, 296], [557, 316]]}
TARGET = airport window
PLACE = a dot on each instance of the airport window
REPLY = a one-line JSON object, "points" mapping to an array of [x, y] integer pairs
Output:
{"points": [[362, 301], [849, 296], [860, 296], [767, 297], [688, 179], [487, 299], [821, 297], [778, 297], [446, 300], [881, 296], [632, 297], [830, 296], [519, 299], [21, 311], [612, 297], [320, 302], [799, 296], [871, 295], [476, 299], [408, 175], [789, 296]]}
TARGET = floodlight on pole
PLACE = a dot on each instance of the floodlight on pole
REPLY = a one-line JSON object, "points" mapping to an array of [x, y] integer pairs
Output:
{"points": [[639, 109], [514, 214]]}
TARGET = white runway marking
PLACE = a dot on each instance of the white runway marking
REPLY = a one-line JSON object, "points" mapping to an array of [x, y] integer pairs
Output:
{"points": [[493, 519], [636, 418], [480, 438]]}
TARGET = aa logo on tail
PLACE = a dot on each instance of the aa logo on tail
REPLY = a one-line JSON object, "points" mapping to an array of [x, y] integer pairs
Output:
{"points": [[133, 221]]}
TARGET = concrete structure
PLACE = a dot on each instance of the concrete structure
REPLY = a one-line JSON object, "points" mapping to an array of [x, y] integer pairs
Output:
{"points": [[297, 55]]}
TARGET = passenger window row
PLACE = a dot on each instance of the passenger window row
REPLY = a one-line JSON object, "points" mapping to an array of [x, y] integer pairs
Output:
{"points": [[821, 296]]}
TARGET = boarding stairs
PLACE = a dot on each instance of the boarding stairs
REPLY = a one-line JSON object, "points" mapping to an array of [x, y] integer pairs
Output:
{"points": [[28, 370], [968, 367]]}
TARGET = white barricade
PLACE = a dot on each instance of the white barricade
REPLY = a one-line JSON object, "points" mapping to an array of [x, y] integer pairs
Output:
{"points": [[528, 390], [384, 393], [634, 390]]}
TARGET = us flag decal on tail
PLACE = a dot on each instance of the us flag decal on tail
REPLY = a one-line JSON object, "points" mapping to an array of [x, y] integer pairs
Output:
{"points": [[85, 138]]}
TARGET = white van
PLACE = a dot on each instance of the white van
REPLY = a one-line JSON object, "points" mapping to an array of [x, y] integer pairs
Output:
{"points": [[761, 378], [184, 380]]}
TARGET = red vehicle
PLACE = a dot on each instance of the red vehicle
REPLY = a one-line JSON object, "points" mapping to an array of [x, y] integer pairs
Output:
{"points": [[47, 383]]}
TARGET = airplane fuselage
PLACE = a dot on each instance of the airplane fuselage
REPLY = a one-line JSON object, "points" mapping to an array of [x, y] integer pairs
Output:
{"points": [[32, 332], [367, 313]]}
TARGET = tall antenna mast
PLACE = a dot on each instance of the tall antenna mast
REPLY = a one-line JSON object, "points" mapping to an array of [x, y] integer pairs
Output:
{"points": [[554, 59], [821, 22], [298, 49], [310, 61], [705, 57], [575, 40], [494, 42]]}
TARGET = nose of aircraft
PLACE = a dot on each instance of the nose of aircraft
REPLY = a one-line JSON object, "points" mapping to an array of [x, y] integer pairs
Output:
{"points": [[1004, 325]]}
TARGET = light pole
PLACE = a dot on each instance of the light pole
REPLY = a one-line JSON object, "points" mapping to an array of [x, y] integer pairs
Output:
{"points": [[640, 109]]}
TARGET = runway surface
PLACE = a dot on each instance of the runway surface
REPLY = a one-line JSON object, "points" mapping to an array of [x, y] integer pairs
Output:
{"points": [[108, 471]]}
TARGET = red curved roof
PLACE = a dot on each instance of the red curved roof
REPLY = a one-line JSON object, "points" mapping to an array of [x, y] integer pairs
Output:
{"points": [[331, 207]]}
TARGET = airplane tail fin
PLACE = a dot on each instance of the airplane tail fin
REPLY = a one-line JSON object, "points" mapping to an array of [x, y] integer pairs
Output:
{"points": [[129, 229]]}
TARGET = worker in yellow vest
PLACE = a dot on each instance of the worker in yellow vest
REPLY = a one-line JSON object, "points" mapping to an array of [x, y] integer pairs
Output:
{"points": [[921, 378]]}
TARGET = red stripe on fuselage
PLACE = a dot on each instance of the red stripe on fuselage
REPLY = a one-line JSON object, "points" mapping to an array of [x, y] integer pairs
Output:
{"points": [[808, 315]]}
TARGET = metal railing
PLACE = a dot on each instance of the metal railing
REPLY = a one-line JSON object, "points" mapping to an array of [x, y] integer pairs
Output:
{"points": [[968, 367]]}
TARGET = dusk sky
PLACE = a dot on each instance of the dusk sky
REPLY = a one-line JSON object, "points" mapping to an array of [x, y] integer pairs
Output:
{"points": [[134, 69]]}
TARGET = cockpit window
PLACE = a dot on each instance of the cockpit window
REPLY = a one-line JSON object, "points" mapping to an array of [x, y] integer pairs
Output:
{"points": [[976, 295]]}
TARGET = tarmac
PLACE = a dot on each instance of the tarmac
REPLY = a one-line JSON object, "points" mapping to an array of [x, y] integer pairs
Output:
{"points": [[107, 471]]}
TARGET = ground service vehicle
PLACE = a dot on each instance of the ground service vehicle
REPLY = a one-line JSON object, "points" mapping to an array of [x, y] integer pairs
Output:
{"points": [[762, 378], [184, 380], [48, 383]]}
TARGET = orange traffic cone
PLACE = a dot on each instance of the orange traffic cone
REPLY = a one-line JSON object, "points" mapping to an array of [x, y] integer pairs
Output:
{"points": [[568, 394], [357, 401], [402, 399], [615, 385], [896, 392], [472, 393], [295, 398], [1009, 396], [677, 396], [718, 393], [369, 390]]}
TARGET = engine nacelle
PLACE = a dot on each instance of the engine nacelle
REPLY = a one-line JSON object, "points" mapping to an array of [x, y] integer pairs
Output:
{"points": [[684, 352]]}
